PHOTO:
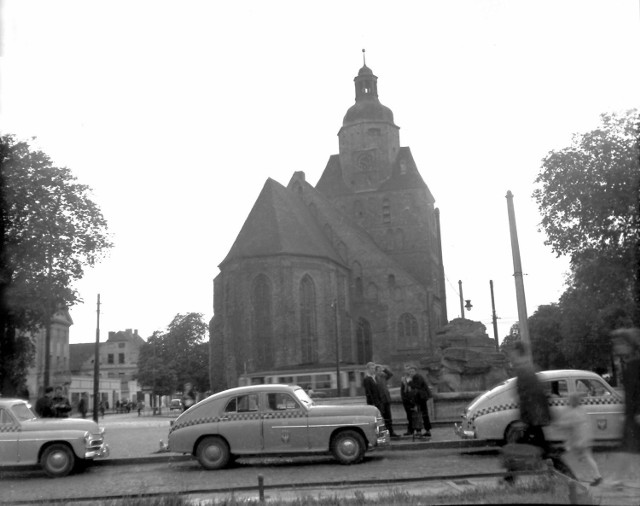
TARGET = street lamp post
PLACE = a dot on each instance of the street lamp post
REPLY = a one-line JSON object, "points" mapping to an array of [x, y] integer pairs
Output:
{"points": [[334, 304]]}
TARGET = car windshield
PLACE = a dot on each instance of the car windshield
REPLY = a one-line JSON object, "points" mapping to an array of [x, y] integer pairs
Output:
{"points": [[303, 397], [22, 412]]}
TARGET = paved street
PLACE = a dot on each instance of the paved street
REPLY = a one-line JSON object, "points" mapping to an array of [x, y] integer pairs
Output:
{"points": [[137, 466]]}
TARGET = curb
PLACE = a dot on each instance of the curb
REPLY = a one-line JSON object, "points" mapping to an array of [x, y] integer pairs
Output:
{"points": [[397, 446]]}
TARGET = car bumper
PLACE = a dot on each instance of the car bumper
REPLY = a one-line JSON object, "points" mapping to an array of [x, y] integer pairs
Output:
{"points": [[383, 439], [463, 433], [97, 453]]}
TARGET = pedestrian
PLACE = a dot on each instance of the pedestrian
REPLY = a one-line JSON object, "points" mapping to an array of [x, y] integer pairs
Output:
{"points": [[44, 405], [626, 346], [575, 422], [101, 408], [371, 390], [407, 395], [82, 405], [189, 396], [534, 405], [383, 374], [61, 405], [421, 394], [140, 407]]}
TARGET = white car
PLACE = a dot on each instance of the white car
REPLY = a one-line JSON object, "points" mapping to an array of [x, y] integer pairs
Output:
{"points": [[58, 444], [494, 415]]}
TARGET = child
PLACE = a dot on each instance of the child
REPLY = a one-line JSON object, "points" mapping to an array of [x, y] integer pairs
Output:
{"points": [[575, 421]]}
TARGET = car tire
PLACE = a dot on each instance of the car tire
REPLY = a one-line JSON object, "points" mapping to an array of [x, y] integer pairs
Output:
{"points": [[514, 433], [348, 447], [213, 453], [57, 460]]}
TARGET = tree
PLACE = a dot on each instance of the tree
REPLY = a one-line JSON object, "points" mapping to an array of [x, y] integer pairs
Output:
{"points": [[589, 198], [169, 360], [51, 230], [546, 337]]}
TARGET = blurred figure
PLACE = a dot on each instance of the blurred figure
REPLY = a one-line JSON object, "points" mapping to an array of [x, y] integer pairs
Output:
{"points": [[82, 405], [574, 420], [626, 346], [61, 405], [534, 406], [189, 396], [407, 394], [419, 390]]}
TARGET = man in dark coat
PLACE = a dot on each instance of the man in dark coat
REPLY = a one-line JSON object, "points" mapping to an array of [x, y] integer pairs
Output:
{"points": [[61, 406], [382, 376], [534, 406], [421, 394], [371, 390], [44, 405]]}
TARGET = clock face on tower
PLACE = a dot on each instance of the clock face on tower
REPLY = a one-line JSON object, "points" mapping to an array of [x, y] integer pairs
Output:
{"points": [[364, 161]]}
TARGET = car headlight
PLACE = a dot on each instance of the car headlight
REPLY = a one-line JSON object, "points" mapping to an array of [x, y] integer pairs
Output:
{"points": [[87, 437], [102, 431]]}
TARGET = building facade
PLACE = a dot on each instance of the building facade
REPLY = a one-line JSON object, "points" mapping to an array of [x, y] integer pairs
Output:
{"points": [[348, 271]]}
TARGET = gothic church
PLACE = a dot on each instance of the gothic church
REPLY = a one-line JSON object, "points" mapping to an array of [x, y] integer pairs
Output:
{"points": [[351, 268]]}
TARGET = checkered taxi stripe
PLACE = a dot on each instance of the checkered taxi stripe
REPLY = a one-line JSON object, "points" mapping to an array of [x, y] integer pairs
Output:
{"points": [[234, 417], [9, 428], [563, 401]]}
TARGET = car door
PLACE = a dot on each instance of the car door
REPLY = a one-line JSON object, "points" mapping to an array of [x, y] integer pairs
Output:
{"points": [[604, 406], [9, 433], [241, 424], [284, 423], [557, 392]]}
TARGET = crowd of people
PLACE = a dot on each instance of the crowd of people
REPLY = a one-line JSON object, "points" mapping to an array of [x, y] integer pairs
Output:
{"points": [[414, 392]]}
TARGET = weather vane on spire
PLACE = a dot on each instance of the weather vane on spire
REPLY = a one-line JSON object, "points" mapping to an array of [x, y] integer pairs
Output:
{"points": [[364, 60]]}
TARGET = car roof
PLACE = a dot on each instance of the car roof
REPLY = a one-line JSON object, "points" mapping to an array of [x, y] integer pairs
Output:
{"points": [[9, 401], [270, 387], [567, 372]]}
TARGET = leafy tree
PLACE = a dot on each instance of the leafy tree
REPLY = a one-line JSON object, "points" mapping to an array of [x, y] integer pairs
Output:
{"points": [[589, 198], [169, 360], [51, 230], [546, 337]]}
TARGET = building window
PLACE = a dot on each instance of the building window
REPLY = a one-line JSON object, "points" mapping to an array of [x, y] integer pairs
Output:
{"points": [[110, 358], [407, 331], [121, 345], [386, 211], [364, 348], [262, 323], [121, 358], [308, 330]]}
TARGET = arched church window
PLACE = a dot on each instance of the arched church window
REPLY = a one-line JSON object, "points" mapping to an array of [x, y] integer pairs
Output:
{"points": [[386, 211], [407, 331], [364, 345], [262, 325], [308, 326]]}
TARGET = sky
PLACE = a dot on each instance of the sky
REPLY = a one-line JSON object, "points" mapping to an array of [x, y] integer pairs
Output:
{"points": [[175, 113]]}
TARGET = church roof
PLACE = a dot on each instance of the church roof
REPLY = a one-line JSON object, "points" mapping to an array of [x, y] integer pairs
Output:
{"points": [[280, 224], [405, 175], [331, 182]]}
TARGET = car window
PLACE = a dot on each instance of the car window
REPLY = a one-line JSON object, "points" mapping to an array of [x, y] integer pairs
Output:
{"points": [[556, 388], [22, 412], [242, 404], [591, 388], [281, 402], [5, 418]]}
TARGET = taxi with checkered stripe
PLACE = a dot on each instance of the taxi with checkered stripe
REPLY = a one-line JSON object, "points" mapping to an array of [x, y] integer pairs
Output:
{"points": [[494, 415], [274, 419], [59, 445]]}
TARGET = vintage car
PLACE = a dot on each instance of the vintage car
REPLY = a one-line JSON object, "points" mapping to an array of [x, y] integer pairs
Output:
{"points": [[274, 419], [175, 404], [58, 444], [494, 415]]}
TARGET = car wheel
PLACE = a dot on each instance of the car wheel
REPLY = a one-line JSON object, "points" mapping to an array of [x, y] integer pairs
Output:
{"points": [[514, 433], [57, 460], [213, 453], [348, 447]]}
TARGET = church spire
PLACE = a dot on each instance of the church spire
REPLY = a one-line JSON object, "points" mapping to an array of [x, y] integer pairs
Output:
{"points": [[366, 82]]}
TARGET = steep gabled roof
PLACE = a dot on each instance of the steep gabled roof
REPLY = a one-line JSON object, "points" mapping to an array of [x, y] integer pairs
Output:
{"points": [[79, 354], [331, 182], [405, 175], [279, 224]]}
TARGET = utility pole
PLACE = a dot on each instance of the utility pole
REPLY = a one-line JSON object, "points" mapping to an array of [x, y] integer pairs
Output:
{"points": [[461, 299], [494, 317], [338, 380], [517, 274], [96, 367]]}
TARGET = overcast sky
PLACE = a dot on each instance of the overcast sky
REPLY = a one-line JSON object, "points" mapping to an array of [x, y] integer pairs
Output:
{"points": [[176, 112]]}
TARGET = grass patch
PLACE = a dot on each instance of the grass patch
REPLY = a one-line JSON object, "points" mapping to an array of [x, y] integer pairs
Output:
{"points": [[547, 489]]}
